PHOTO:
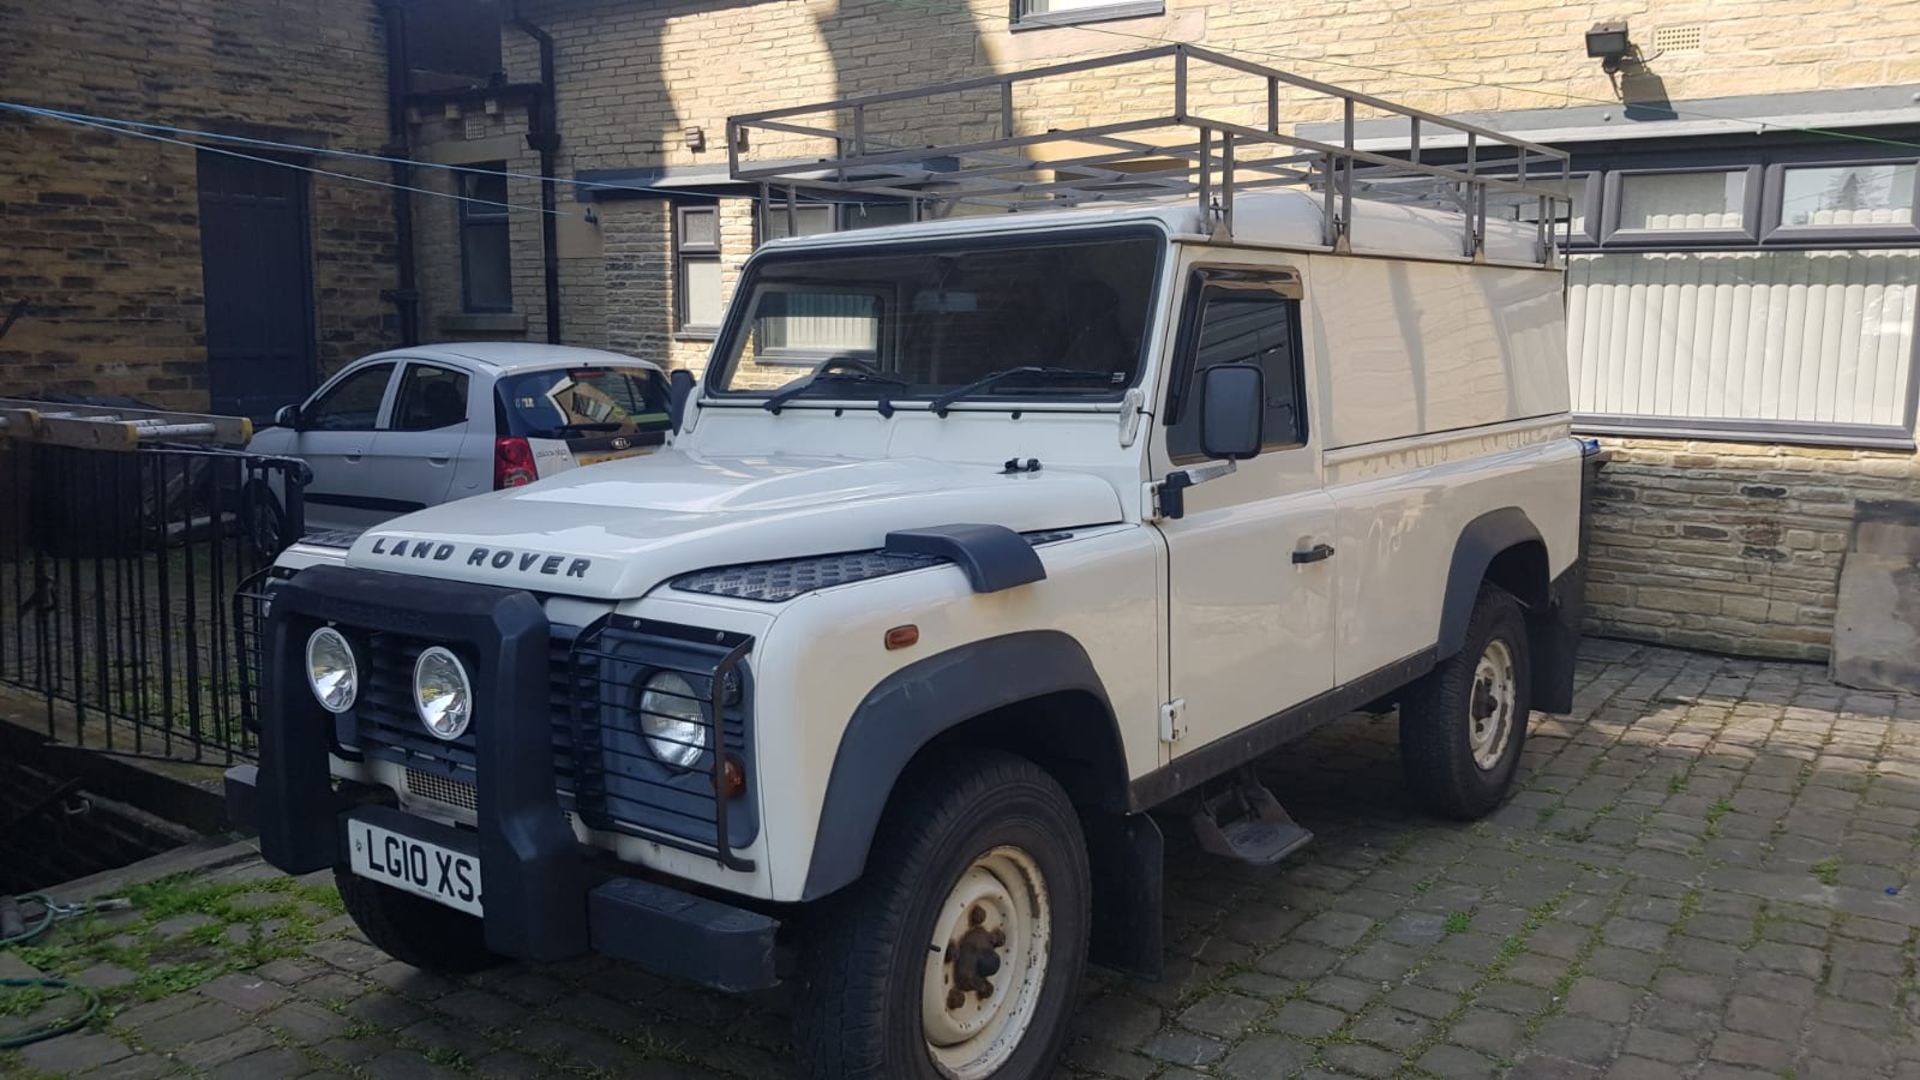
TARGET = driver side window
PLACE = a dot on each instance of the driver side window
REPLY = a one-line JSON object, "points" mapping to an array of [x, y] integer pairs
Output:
{"points": [[353, 404], [1239, 318]]}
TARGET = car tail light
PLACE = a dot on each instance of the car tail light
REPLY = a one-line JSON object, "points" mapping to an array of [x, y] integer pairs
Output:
{"points": [[512, 463]]}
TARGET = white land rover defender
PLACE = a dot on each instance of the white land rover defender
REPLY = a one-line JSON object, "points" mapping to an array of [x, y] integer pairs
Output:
{"points": [[983, 537]]}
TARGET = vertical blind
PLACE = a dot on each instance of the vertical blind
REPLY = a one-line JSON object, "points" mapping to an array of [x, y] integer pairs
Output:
{"points": [[1803, 336]]}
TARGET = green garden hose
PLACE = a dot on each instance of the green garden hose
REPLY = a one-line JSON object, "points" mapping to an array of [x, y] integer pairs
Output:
{"points": [[50, 913], [57, 1027]]}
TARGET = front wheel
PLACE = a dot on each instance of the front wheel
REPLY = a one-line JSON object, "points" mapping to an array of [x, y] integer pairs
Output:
{"points": [[1462, 727], [957, 956], [415, 930]]}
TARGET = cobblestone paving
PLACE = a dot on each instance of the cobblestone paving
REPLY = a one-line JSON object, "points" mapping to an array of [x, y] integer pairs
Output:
{"points": [[1706, 871]]}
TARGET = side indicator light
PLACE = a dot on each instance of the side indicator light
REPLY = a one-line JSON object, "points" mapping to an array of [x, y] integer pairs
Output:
{"points": [[901, 637]]}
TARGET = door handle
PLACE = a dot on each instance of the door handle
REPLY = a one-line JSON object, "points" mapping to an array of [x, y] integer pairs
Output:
{"points": [[353, 455], [440, 459], [1313, 554]]}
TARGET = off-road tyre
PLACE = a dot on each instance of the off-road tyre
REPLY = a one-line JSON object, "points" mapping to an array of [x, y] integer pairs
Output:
{"points": [[413, 929], [857, 997], [263, 522], [1436, 720]]}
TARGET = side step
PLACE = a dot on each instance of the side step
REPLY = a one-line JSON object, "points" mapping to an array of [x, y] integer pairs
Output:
{"points": [[1244, 821]]}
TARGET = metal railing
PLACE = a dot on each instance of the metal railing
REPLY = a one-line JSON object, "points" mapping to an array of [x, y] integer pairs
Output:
{"points": [[123, 563], [1180, 141]]}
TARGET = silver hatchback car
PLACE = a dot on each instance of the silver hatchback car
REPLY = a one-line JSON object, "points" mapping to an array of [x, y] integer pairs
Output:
{"points": [[401, 430]]}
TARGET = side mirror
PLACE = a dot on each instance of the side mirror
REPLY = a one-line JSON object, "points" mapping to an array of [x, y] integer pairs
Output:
{"points": [[1232, 409], [680, 387], [287, 417]]}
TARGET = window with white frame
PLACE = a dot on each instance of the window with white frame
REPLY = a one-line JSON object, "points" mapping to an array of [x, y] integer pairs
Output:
{"points": [[1768, 300], [1032, 13]]}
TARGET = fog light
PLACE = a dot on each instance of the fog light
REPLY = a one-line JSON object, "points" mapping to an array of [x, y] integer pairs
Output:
{"points": [[331, 671], [441, 693]]}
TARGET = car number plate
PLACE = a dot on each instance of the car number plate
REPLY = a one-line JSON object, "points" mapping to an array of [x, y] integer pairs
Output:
{"points": [[420, 868], [595, 459]]}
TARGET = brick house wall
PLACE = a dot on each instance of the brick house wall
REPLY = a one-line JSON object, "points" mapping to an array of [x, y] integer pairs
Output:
{"points": [[1729, 545], [101, 232]]}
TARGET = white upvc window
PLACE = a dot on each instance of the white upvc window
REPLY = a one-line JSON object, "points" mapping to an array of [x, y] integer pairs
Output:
{"points": [[1028, 14], [1755, 343], [1771, 301]]}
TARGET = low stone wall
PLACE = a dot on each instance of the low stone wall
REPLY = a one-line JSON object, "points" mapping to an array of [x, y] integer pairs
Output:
{"points": [[1733, 547]]}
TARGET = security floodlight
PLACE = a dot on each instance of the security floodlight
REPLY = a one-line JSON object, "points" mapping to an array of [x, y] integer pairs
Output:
{"points": [[1609, 41]]}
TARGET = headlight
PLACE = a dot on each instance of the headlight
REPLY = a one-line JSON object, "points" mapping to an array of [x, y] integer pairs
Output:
{"points": [[331, 672], [672, 720], [441, 693]]}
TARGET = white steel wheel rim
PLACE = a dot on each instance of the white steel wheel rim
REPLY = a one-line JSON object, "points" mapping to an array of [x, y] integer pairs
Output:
{"points": [[1490, 708], [986, 964]]}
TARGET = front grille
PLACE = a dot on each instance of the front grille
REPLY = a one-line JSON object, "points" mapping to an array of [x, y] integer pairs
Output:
{"points": [[603, 771], [437, 788], [389, 728]]}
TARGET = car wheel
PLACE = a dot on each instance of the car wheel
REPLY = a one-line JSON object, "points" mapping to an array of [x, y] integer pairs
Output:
{"points": [[413, 929], [1462, 727], [265, 524], [958, 954]]}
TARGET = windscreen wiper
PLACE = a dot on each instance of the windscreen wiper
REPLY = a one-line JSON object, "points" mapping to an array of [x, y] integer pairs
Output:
{"points": [[779, 398], [1035, 374]]}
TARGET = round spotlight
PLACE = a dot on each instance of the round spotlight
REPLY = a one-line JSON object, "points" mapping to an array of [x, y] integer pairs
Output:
{"points": [[331, 671], [441, 693]]}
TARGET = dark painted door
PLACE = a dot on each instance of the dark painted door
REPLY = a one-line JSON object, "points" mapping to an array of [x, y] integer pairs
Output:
{"points": [[258, 275]]}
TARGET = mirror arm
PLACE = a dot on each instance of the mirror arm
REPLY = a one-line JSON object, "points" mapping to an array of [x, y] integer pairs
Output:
{"points": [[1171, 494]]}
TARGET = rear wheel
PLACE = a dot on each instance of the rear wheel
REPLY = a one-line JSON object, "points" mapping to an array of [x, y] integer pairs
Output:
{"points": [[957, 956], [264, 522], [1463, 726], [413, 929]]}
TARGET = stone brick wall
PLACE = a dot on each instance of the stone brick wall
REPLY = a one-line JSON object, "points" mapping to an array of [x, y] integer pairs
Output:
{"points": [[632, 77], [1734, 547], [101, 232], [1717, 545]]}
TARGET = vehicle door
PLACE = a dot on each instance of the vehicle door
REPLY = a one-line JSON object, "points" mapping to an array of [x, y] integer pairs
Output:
{"points": [[418, 453], [1250, 605], [334, 437]]}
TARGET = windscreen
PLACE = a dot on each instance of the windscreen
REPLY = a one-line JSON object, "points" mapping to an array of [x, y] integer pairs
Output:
{"points": [[569, 403], [921, 320]]}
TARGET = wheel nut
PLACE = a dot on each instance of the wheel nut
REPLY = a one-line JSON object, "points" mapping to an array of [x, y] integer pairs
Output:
{"points": [[955, 999], [998, 938], [976, 915]]}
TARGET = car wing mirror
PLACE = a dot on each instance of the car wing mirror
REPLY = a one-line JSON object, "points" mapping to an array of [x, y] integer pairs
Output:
{"points": [[1232, 421], [287, 417], [1232, 407], [680, 388]]}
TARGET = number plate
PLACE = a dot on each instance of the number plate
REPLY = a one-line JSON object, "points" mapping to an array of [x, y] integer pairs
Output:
{"points": [[595, 459], [420, 868]]}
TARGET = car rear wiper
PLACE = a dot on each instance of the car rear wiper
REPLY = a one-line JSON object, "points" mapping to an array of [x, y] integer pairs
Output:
{"points": [[779, 398], [1024, 374]]}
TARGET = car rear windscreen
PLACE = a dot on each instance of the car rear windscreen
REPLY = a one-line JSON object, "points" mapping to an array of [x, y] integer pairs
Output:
{"points": [[571, 403]]}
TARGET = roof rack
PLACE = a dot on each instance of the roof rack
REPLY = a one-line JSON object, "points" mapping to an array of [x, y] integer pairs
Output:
{"points": [[1197, 122]]}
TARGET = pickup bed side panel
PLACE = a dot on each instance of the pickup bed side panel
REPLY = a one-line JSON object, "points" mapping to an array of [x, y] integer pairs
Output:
{"points": [[1398, 521]]}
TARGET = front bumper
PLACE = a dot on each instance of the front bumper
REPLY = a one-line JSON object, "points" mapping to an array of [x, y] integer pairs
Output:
{"points": [[664, 930], [547, 898]]}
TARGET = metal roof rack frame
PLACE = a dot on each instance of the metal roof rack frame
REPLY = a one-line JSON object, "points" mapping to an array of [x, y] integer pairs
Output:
{"points": [[1213, 158]]}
